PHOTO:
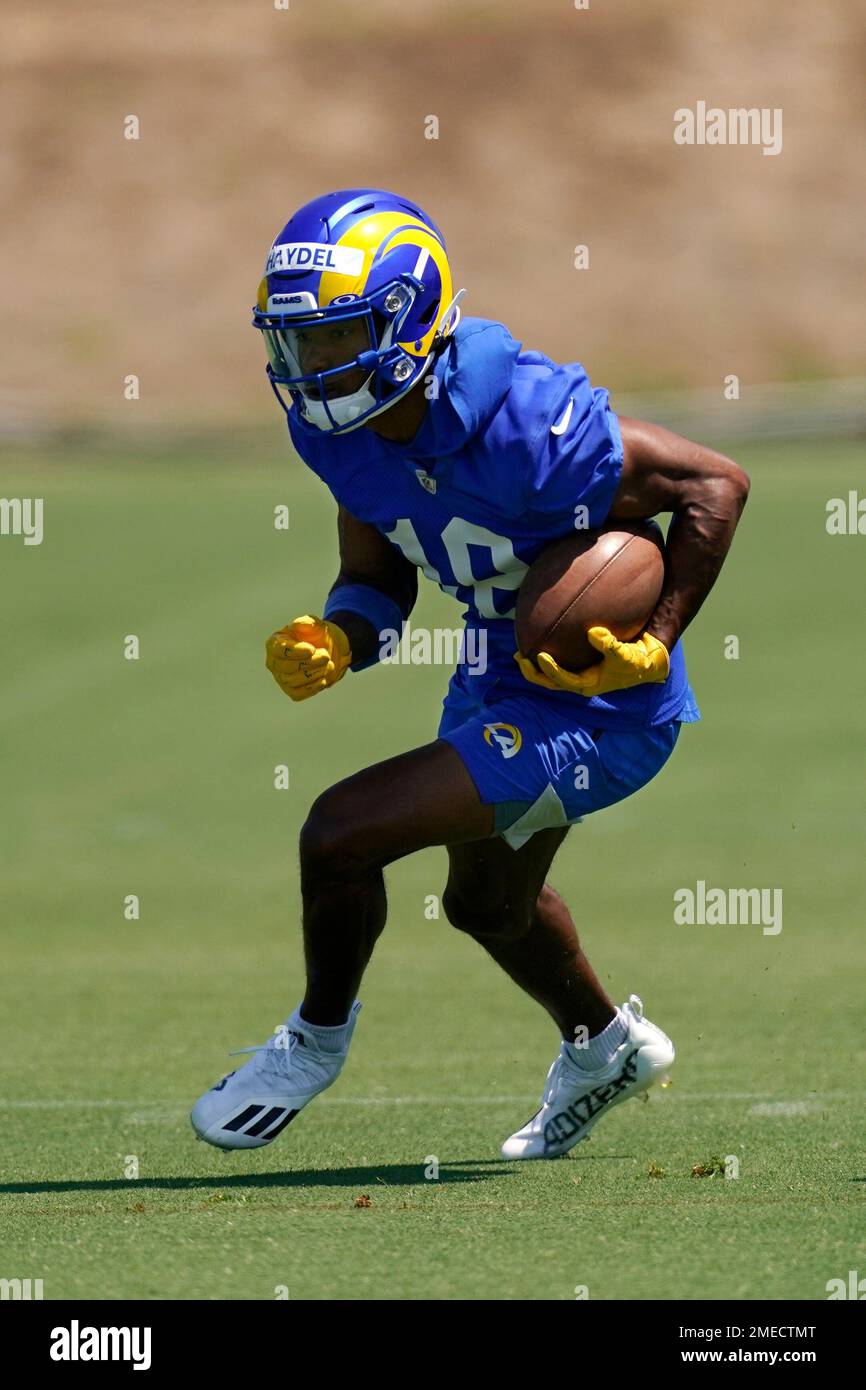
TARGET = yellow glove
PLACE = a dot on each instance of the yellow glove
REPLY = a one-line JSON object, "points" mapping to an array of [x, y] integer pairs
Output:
{"points": [[623, 664], [307, 656]]}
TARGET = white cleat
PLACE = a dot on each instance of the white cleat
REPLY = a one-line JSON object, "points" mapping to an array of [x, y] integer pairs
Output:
{"points": [[575, 1099], [251, 1106]]}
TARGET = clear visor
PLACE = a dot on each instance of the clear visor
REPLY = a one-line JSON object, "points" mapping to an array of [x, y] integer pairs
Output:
{"points": [[318, 354]]}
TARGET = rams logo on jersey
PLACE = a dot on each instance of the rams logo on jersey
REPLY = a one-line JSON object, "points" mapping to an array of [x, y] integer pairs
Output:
{"points": [[507, 738]]}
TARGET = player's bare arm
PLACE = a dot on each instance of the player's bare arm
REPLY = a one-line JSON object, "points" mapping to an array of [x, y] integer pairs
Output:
{"points": [[367, 558], [705, 491]]}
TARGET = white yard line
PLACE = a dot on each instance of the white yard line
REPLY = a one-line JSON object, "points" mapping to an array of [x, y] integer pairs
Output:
{"points": [[772, 1105]]}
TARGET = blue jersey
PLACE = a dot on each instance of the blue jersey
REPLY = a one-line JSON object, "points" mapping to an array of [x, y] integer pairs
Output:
{"points": [[514, 451]]}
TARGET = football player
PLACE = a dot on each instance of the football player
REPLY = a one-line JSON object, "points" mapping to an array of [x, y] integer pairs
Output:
{"points": [[451, 449]]}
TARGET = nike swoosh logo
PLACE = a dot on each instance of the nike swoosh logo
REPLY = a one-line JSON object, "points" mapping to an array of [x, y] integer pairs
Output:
{"points": [[562, 425]]}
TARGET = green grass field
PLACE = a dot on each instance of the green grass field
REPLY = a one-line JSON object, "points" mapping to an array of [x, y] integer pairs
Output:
{"points": [[155, 777]]}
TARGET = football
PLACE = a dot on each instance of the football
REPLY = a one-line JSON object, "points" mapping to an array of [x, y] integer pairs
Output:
{"points": [[611, 577]]}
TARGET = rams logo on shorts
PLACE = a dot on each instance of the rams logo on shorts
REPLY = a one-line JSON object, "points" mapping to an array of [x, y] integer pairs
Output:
{"points": [[507, 737]]}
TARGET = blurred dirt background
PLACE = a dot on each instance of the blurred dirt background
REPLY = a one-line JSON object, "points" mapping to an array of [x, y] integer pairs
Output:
{"points": [[555, 128]]}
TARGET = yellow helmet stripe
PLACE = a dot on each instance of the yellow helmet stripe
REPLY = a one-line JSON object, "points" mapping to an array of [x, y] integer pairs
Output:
{"points": [[383, 231]]}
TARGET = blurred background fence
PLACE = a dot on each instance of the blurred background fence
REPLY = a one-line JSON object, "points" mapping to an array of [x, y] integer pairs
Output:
{"points": [[526, 130]]}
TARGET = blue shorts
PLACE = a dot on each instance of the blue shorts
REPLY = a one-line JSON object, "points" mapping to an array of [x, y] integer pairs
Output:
{"points": [[538, 766]]}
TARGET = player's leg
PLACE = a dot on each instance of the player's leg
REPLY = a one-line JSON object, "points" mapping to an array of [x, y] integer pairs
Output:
{"points": [[421, 798], [498, 895], [541, 772], [354, 829]]}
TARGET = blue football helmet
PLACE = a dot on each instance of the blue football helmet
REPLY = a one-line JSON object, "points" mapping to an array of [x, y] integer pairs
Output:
{"points": [[356, 301]]}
